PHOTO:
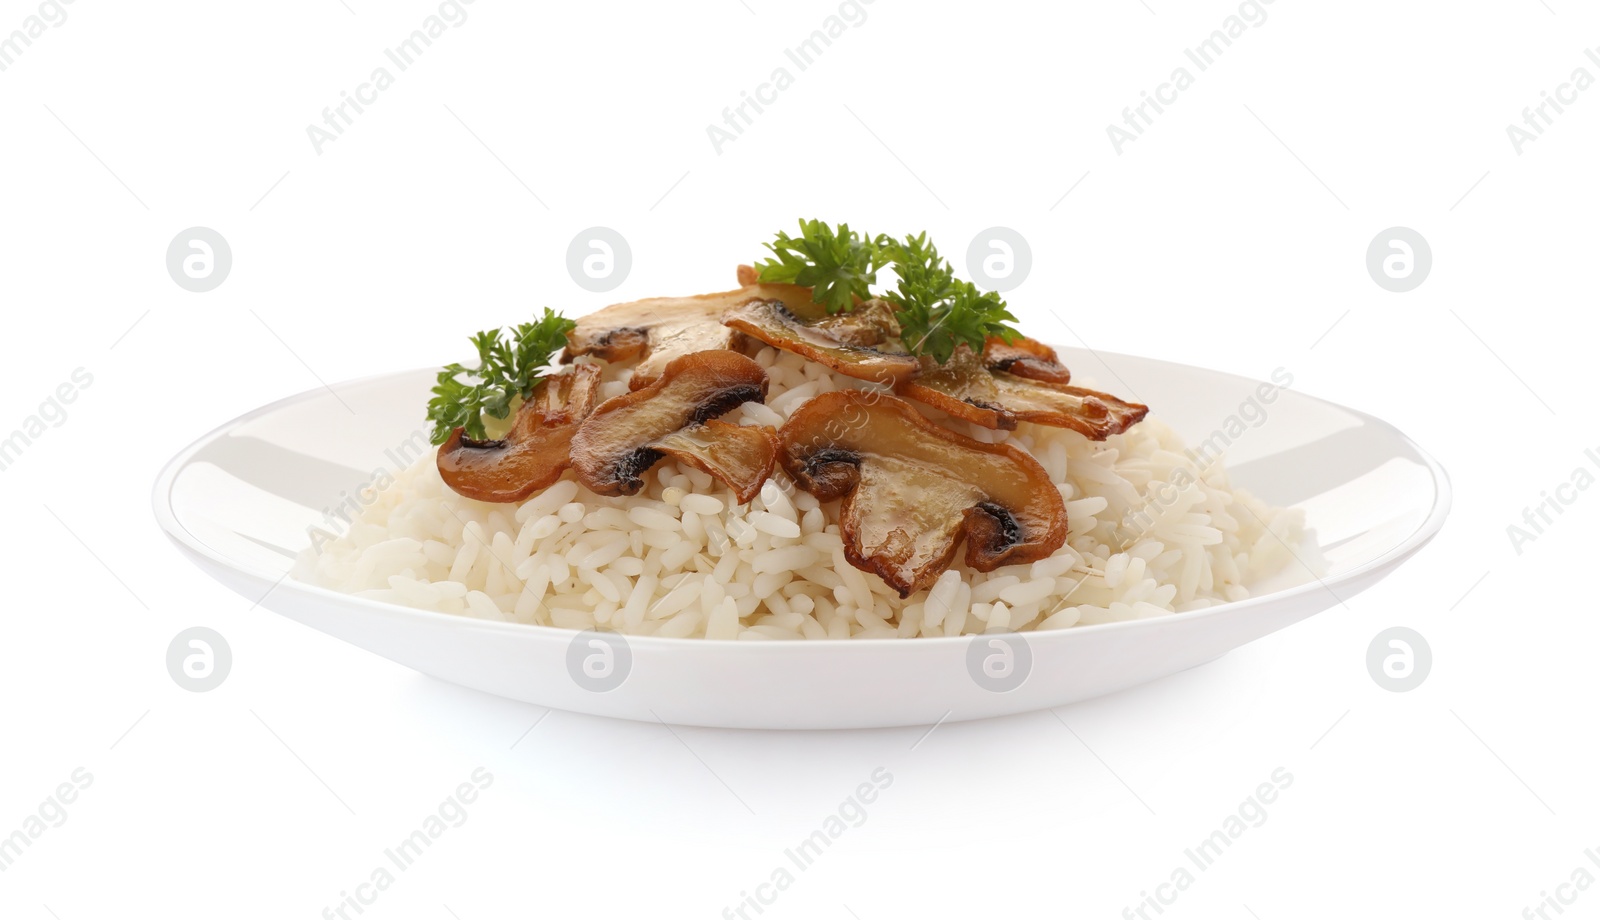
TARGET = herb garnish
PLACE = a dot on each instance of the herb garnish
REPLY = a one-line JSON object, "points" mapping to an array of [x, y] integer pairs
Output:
{"points": [[937, 311], [838, 264], [509, 366]]}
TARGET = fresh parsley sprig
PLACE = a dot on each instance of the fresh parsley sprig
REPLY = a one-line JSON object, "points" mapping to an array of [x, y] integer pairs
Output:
{"points": [[938, 311], [838, 264], [509, 366]]}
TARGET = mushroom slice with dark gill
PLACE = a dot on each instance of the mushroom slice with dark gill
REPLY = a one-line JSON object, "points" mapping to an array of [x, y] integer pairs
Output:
{"points": [[863, 343], [1024, 357], [911, 489], [966, 388], [660, 329], [534, 453], [676, 416]]}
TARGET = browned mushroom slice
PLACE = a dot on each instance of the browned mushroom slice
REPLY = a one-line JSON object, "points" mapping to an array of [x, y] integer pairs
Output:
{"points": [[534, 453], [660, 329], [967, 389], [963, 387], [675, 416], [741, 456], [1025, 358], [863, 343], [912, 489]]}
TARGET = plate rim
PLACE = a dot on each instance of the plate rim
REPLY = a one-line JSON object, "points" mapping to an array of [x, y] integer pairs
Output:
{"points": [[166, 517]]}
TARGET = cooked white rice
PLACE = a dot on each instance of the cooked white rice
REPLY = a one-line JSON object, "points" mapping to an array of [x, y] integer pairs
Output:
{"points": [[683, 558]]}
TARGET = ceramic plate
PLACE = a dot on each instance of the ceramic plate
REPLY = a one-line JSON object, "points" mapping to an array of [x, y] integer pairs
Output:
{"points": [[240, 500]]}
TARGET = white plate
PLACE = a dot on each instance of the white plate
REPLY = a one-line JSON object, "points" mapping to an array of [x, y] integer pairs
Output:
{"points": [[239, 501]]}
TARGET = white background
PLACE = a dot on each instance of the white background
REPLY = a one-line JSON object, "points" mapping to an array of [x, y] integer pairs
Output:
{"points": [[448, 206]]}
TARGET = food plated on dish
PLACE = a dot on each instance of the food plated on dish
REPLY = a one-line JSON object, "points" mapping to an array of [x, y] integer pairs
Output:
{"points": [[811, 455], [243, 502]]}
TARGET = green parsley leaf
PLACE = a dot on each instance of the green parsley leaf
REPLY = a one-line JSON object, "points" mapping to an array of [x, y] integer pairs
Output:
{"points": [[937, 311], [509, 366], [838, 264]]}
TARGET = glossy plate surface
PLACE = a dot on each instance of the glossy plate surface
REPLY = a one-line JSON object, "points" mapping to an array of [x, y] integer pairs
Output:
{"points": [[240, 500]]}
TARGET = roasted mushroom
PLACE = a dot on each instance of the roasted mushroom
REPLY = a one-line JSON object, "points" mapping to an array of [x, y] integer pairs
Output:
{"points": [[534, 453], [911, 489], [966, 388], [1025, 357], [863, 343], [660, 329], [676, 416]]}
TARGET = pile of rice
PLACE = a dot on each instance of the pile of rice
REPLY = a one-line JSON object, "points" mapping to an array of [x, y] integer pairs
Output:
{"points": [[683, 558]]}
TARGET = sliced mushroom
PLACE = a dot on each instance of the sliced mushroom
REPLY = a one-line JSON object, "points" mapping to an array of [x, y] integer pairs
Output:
{"points": [[911, 489], [675, 416], [739, 455], [863, 343], [660, 329], [968, 389], [534, 453], [1025, 357]]}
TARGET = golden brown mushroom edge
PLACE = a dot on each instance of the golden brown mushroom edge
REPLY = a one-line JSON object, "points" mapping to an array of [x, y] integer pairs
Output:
{"points": [[967, 388], [676, 416], [912, 490], [534, 454], [863, 343], [659, 330], [1025, 357]]}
